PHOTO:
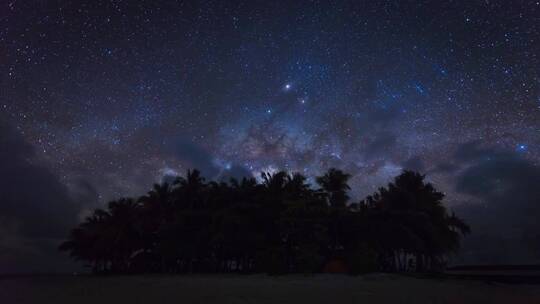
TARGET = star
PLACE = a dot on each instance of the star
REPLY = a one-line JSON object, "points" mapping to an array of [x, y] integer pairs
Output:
{"points": [[521, 147]]}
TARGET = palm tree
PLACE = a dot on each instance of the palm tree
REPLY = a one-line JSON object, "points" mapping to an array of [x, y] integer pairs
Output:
{"points": [[296, 187], [274, 183], [334, 183], [85, 241], [122, 232], [189, 190], [419, 221], [334, 190], [156, 207], [280, 225]]}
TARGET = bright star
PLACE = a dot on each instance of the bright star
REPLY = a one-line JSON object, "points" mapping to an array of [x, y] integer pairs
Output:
{"points": [[288, 86]]}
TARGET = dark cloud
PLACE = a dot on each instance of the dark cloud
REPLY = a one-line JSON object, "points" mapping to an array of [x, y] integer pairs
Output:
{"points": [[505, 191], [83, 192], [20, 254], [36, 209], [32, 195], [195, 156]]}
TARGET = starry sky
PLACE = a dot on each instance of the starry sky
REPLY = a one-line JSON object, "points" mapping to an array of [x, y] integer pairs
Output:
{"points": [[104, 98]]}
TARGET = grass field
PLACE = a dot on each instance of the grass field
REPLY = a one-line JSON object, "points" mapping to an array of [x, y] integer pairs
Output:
{"points": [[375, 288]]}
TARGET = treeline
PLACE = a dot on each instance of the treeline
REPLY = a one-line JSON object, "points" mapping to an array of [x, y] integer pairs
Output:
{"points": [[279, 225]]}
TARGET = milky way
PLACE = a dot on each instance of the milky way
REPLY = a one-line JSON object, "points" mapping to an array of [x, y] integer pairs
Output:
{"points": [[118, 94]]}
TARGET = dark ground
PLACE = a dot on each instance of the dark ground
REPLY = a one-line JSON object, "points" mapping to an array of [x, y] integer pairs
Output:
{"points": [[373, 288]]}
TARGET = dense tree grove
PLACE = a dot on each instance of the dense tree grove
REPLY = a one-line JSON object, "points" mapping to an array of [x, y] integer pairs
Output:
{"points": [[279, 225]]}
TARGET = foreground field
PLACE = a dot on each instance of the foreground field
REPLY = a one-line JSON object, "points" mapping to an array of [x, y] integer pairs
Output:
{"points": [[377, 288]]}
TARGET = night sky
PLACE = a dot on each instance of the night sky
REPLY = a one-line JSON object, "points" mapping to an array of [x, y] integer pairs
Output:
{"points": [[100, 99]]}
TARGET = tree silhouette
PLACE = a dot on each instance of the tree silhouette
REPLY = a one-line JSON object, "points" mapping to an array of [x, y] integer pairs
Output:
{"points": [[280, 225], [335, 187], [415, 222]]}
